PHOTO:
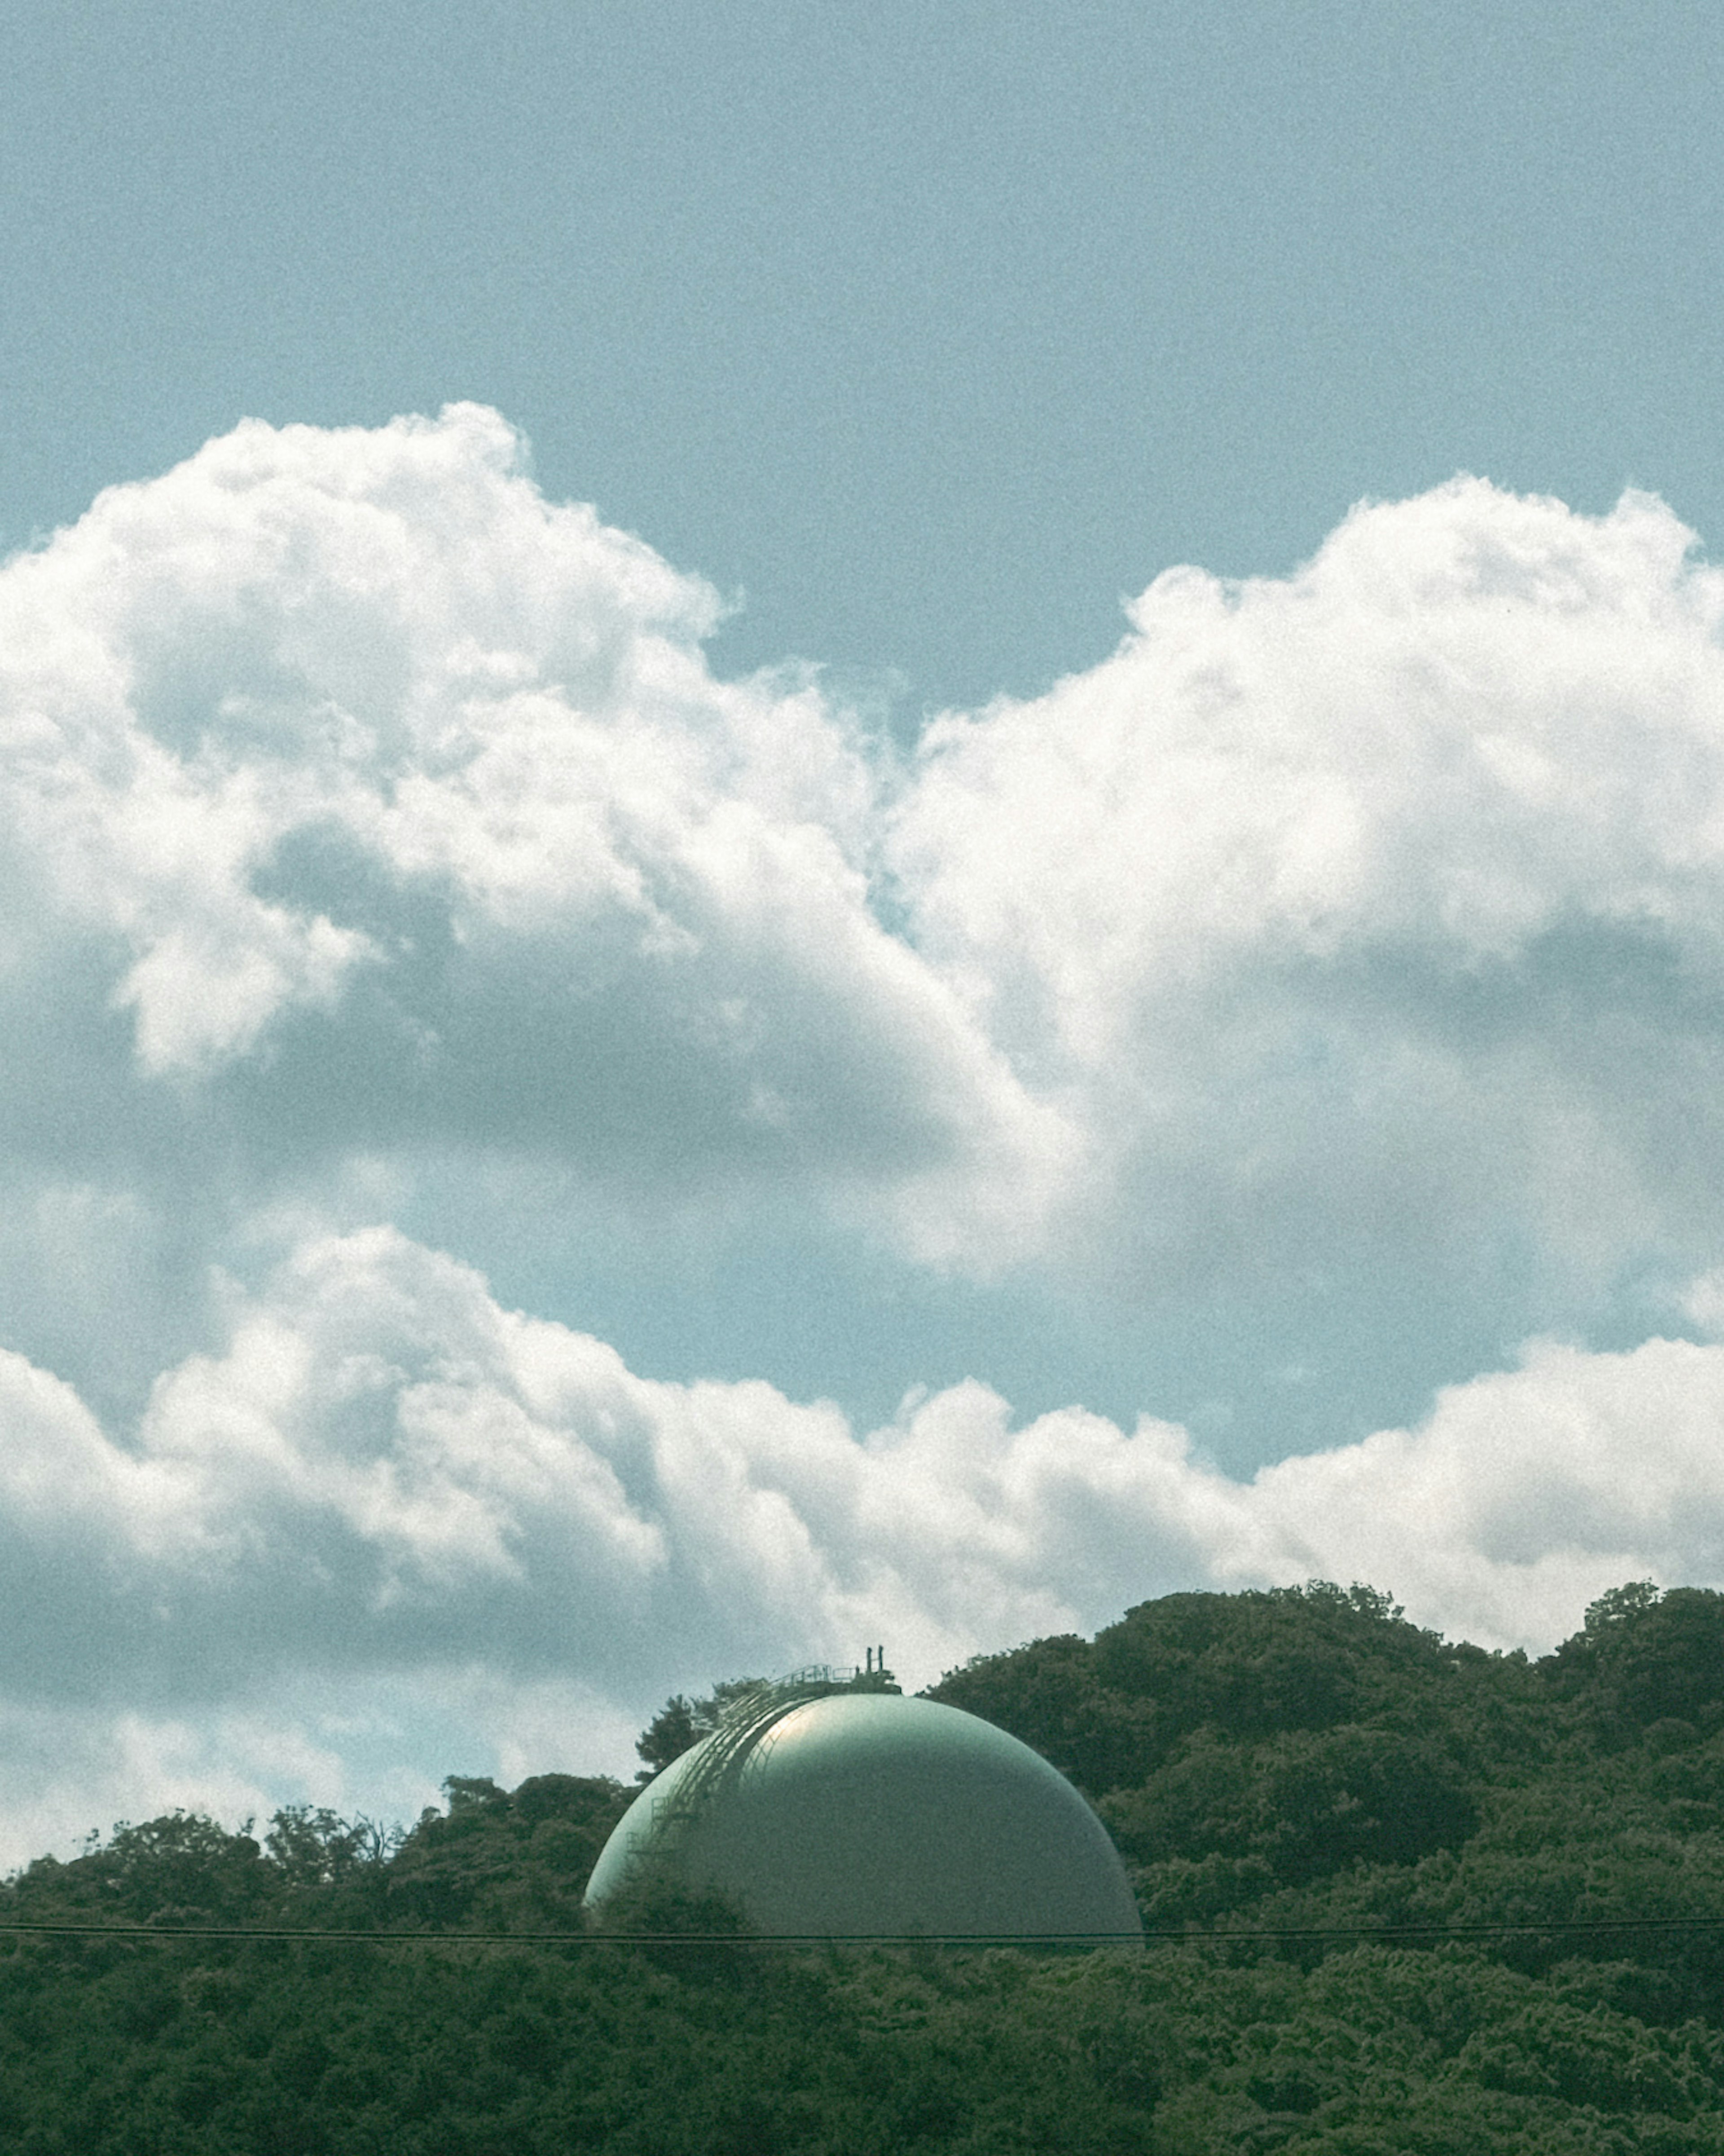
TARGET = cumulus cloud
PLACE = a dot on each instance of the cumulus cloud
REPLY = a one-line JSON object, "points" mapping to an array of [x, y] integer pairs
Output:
{"points": [[359, 803], [387, 1497], [380, 1467], [1380, 907], [369, 823], [357, 797]]}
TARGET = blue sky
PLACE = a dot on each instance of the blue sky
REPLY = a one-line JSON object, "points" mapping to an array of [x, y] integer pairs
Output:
{"points": [[1043, 959]]}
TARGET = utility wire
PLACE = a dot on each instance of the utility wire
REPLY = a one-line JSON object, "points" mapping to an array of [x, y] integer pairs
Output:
{"points": [[1434, 1930]]}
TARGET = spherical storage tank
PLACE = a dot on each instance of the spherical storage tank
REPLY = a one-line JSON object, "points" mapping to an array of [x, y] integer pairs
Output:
{"points": [[861, 1813]]}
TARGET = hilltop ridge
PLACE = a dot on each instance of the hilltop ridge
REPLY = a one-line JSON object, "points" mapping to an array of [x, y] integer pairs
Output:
{"points": [[1410, 1896]]}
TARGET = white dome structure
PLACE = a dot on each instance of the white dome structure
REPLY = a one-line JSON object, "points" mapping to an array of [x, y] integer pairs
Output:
{"points": [[861, 1814]]}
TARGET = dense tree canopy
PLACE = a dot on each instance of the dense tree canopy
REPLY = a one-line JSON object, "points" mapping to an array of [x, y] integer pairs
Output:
{"points": [[1296, 1778]]}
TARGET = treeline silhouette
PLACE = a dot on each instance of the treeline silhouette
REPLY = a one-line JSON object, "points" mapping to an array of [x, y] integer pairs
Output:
{"points": [[1287, 1773]]}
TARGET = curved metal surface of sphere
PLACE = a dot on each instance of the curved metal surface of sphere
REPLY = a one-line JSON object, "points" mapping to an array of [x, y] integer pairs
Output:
{"points": [[869, 1814]]}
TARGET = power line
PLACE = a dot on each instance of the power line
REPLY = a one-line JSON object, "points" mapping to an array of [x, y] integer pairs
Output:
{"points": [[1436, 1930]]}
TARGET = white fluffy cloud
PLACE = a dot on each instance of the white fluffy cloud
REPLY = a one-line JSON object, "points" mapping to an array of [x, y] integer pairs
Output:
{"points": [[386, 1486], [1378, 906], [358, 803], [367, 820], [383, 804]]}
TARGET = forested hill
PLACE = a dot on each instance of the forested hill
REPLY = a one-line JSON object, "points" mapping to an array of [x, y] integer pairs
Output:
{"points": [[1325, 1809], [1305, 1756]]}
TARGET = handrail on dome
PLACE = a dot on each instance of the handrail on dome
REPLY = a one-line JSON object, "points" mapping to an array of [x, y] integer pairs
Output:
{"points": [[748, 1717]]}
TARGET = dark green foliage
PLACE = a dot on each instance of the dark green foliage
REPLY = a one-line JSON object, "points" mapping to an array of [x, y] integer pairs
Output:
{"points": [[497, 1860], [659, 1901], [1050, 1695], [1307, 1804], [1645, 1659], [680, 1724], [1260, 1664], [1290, 1761], [310, 1848]]}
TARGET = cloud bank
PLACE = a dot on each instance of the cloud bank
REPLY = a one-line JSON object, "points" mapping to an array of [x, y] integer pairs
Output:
{"points": [[370, 827], [385, 1487], [382, 1466], [359, 802]]}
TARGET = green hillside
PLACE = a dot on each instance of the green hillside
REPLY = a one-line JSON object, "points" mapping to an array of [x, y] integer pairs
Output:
{"points": [[1325, 1809]]}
